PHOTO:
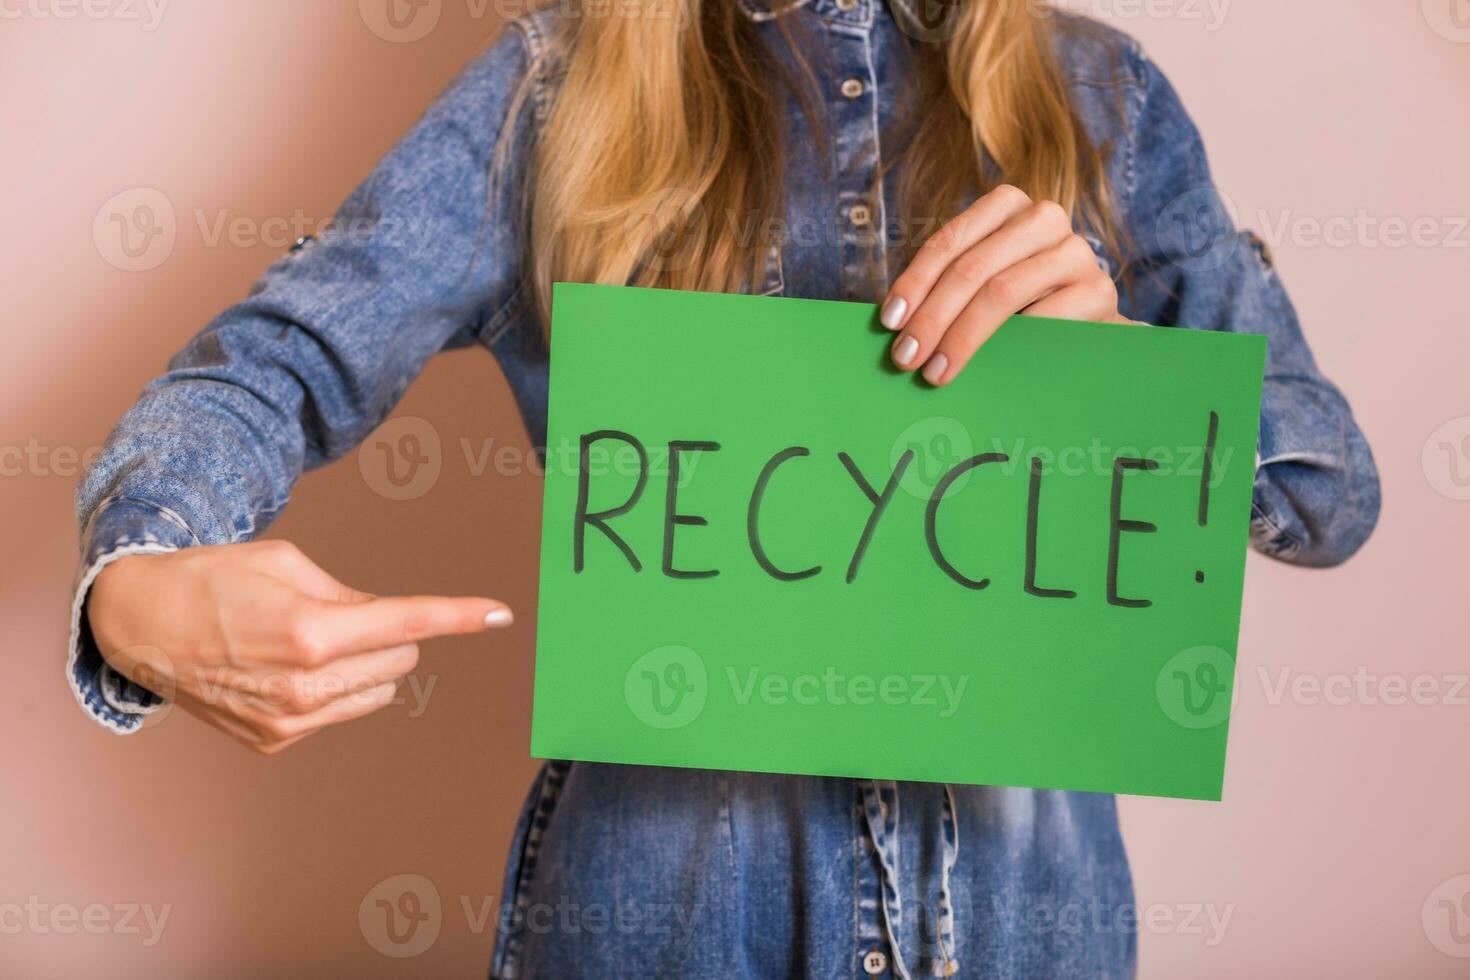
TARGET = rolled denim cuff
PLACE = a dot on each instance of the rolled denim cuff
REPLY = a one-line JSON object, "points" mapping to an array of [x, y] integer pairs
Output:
{"points": [[121, 526], [1300, 459], [1302, 421]]}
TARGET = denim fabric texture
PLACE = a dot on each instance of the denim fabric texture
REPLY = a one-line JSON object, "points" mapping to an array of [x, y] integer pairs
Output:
{"points": [[629, 871]]}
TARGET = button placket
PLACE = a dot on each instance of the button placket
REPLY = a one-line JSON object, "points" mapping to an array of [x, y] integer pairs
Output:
{"points": [[857, 162], [872, 931]]}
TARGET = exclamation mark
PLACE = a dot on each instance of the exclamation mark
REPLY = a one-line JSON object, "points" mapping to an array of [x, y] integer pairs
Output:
{"points": [[1206, 471]]}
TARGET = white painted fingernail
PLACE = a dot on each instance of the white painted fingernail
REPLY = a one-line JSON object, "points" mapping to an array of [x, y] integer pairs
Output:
{"points": [[499, 617], [934, 370], [893, 311], [904, 351]]}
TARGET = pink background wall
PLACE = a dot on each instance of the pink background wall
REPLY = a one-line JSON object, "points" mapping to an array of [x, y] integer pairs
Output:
{"points": [[1332, 123]]}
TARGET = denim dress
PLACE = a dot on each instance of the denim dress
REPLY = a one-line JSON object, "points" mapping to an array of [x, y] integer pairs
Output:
{"points": [[627, 871]]}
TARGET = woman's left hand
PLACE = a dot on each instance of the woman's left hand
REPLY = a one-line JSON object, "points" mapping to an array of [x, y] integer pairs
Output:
{"points": [[1005, 254]]}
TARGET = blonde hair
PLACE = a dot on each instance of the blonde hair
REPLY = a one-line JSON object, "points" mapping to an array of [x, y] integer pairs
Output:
{"points": [[661, 161]]}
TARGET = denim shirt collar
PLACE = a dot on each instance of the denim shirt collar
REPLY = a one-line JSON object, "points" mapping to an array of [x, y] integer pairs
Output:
{"points": [[857, 13], [760, 10], [915, 17]]}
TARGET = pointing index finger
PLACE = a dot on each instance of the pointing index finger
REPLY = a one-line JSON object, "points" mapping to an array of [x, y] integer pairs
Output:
{"points": [[333, 630]]}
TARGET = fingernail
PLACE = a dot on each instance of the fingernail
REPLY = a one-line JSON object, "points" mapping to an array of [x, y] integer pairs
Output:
{"points": [[934, 370], [893, 311], [904, 351], [499, 617]]}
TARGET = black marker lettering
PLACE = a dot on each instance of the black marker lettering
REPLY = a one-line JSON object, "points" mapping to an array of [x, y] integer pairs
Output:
{"points": [[672, 517], [1117, 525], [599, 519], [1206, 470], [931, 516], [879, 501], [752, 518], [1033, 508]]}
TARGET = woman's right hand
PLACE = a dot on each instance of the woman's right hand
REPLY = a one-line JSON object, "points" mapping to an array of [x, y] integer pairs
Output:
{"points": [[259, 642]]}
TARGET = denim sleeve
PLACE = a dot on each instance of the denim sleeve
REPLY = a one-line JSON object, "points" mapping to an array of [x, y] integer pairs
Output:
{"points": [[1316, 496], [418, 259]]}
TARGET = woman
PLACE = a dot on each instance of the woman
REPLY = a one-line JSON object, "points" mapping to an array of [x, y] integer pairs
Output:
{"points": [[804, 150]]}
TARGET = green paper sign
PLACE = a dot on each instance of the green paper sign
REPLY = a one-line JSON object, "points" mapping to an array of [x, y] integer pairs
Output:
{"points": [[764, 549]]}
